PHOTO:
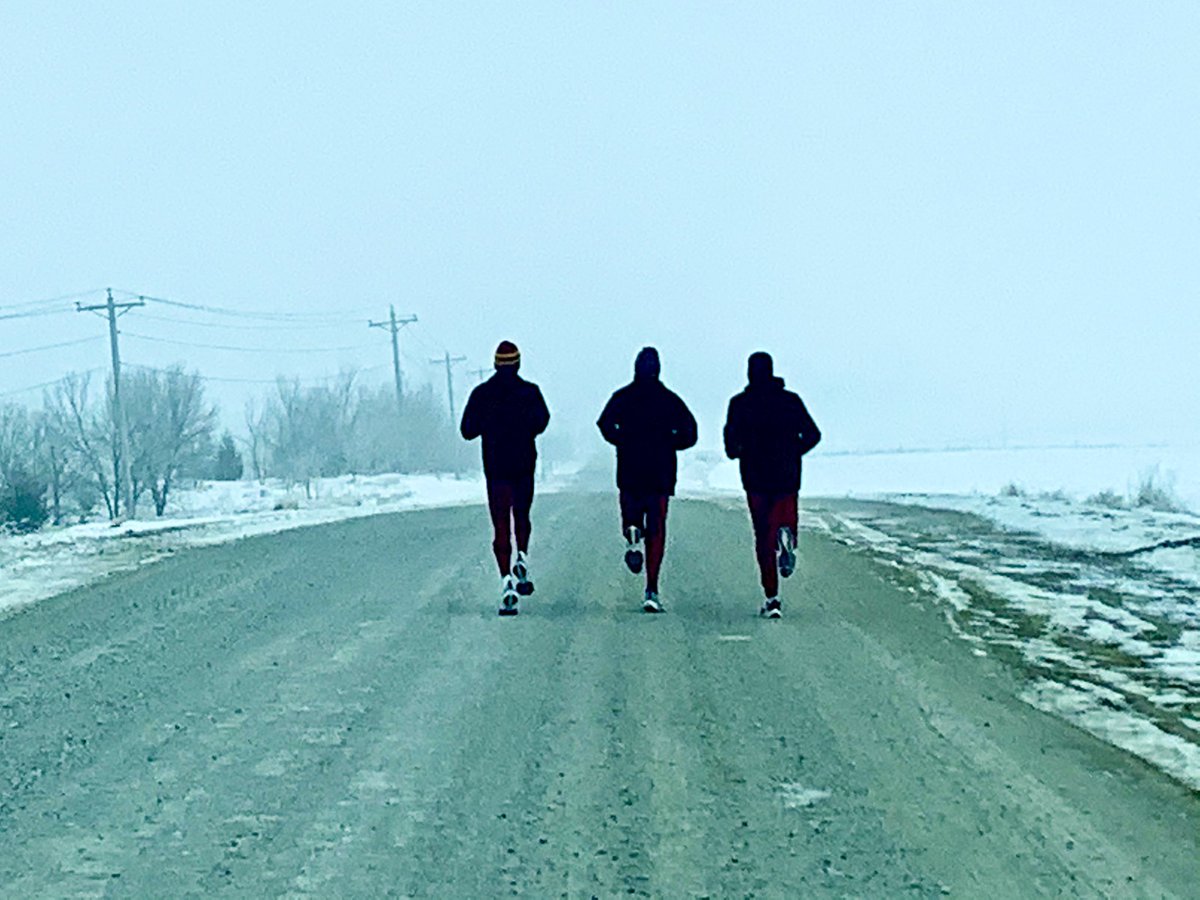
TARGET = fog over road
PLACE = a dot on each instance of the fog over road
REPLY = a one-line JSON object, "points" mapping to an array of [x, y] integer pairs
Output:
{"points": [[338, 711]]}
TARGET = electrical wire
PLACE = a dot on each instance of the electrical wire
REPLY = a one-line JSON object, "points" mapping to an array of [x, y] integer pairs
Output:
{"points": [[33, 314], [45, 384], [25, 304], [241, 326], [242, 349], [220, 379], [27, 350], [243, 313]]}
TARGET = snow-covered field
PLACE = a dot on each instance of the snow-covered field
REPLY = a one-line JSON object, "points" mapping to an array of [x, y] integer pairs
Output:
{"points": [[1078, 472]]}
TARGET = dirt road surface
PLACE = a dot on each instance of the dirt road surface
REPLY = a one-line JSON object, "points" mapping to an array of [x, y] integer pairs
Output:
{"points": [[339, 712]]}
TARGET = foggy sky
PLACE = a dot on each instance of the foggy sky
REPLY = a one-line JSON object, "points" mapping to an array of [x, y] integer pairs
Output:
{"points": [[951, 223]]}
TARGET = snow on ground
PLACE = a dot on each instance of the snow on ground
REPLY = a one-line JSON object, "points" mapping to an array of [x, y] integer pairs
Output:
{"points": [[36, 566], [1076, 471], [1109, 642], [1079, 525]]}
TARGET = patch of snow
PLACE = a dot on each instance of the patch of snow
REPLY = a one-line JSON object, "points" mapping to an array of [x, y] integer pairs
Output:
{"points": [[1084, 705], [1114, 646]]}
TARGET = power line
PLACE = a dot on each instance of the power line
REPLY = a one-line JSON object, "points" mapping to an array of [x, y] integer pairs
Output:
{"points": [[242, 349], [33, 314], [45, 384], [220, 379], [241, 326], [24, 304], [243, 313], [75, 343]]}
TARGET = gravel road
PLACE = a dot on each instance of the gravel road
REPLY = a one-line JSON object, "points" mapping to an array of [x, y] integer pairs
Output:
{"points": [[339, 712]]}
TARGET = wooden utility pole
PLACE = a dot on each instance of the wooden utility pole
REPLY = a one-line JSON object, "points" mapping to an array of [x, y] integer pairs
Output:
{"points": [[480, 374], [125, 498], [394, 325], [449, 362]]}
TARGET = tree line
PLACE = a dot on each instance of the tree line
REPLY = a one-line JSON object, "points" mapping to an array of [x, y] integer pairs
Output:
{"points": [[62, 462]]}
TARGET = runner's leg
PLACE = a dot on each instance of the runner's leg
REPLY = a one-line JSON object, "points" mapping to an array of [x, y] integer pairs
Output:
{"points": [[522, 504], [500, 505], [656, 538], [761, 509]]}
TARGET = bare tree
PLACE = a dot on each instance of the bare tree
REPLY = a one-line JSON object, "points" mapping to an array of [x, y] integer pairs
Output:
{"points": [[87, 437], [257, 427], [170, 428], [310, 428]]}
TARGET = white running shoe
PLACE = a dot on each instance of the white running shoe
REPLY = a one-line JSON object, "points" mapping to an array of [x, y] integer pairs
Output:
{"points": [[633, 552], [652, 604], [508, 596], [521, 573], [771, 609], [787, 552]]}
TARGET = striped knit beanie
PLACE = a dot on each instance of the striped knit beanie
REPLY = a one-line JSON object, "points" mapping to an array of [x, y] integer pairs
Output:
{"points": [[507, 354]]}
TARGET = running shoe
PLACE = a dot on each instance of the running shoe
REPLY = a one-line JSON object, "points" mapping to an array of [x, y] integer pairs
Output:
{"points": [[787, 552], [508, 597], [771, 609], [633, 555], [521, 573]]}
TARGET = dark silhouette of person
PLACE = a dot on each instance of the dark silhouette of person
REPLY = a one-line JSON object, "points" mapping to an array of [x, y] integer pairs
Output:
{"points": [[509, 413], [648, 424], [768, 430]]}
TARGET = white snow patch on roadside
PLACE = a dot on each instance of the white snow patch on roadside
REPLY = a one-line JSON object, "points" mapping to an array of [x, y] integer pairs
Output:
{"points": [[1085, 705], [1069, 635], [1082, 526], [37, 566]]}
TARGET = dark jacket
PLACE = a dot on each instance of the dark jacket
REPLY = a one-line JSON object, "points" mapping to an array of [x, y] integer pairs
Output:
{"points": [[648, 424], [769, 430], [508, 412]]}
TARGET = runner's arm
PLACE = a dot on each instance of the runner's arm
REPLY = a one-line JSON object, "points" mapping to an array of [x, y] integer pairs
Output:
{"points": [[734, 443], [472, 426], [810, 434], [609, 422]]}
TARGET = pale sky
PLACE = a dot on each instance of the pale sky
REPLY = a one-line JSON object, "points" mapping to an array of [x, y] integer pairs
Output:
{"points": [[950, 222]]}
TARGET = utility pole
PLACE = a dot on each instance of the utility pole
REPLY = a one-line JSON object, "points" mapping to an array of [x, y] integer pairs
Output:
{"points": [[394, 325], [479, 374], [114, 310], [449, 362]]}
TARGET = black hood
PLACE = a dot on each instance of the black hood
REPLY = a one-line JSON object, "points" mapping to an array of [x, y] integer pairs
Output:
{"points": [[761, 372], [647, 367]]}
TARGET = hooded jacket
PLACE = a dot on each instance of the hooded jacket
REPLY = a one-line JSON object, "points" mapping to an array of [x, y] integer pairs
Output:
{"points": [[648, 424], [768, 429], [508, 412]]}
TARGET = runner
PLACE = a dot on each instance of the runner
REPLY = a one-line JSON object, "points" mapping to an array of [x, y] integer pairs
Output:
{"points": [[769, 429], [648, 424], [509, 413]]}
